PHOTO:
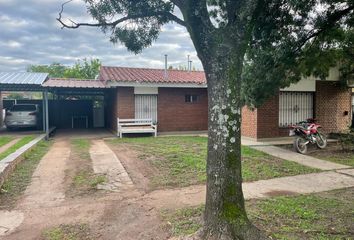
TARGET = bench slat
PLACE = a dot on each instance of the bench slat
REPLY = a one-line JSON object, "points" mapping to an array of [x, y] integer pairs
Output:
{"points": [[134, 120], [135, 126]]}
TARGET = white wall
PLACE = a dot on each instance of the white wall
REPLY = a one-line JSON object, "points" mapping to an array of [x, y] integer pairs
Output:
{"points": [[146, 90], [309, 84]]}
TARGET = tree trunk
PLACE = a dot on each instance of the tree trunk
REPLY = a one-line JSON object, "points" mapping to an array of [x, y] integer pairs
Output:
{"points": [[225, 214]]}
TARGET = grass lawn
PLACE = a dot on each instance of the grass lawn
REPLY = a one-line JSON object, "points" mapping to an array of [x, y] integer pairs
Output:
{"points": [[327, 215], [68, 232], [5, 139], [23, 141], [334, 153], [180, 161], [20, 178]]}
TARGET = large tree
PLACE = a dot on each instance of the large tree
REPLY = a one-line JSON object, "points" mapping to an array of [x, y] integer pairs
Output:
{"points": [[248, 48]]}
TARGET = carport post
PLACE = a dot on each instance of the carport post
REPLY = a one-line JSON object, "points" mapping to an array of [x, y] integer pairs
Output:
{"points": [[43, 112], [46, 115]]}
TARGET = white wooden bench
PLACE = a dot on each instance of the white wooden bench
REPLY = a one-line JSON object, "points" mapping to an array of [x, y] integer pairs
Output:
{"points": [[135, 126]]}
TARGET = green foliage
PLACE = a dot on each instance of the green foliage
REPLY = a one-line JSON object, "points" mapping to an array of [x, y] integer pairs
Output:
{"points": [[183, 221], [82, 69], [15, 95], [295, 39], [55, 70], [317, 216], [321, 216], [23, 141], [5, 139], [68, 232], [146, 19]]}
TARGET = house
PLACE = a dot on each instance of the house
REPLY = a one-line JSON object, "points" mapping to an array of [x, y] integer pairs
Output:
{"points": [[178, 101]]}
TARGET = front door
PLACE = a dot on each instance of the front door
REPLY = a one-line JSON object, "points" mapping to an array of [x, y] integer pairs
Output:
{"points": [[146, 107]]}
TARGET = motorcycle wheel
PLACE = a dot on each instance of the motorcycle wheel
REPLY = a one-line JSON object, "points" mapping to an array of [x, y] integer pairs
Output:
{"points": [[300, 146], [321, 141]]}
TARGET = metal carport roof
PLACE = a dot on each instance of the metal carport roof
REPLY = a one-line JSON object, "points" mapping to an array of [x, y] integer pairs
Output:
{"points": [[22, 81]]}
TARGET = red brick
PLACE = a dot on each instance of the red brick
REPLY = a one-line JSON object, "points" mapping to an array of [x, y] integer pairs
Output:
{"points": [[332, 101], [174, 114]]}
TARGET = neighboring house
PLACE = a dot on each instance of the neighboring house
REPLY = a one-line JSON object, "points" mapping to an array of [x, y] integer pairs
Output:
{"points": [[328, 101], [178, 101]]}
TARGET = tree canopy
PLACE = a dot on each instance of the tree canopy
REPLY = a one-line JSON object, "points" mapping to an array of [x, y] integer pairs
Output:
{"points": [[82, 69]]}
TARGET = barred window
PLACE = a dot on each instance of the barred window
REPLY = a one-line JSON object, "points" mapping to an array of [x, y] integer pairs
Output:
{"points": [[295, 107]]}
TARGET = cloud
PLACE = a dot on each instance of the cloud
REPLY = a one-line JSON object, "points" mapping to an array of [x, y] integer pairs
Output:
{"points": [[30, 34]]}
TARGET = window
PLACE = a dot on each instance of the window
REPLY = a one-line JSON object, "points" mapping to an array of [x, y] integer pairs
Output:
{"points": [[191, 98], [295, 107], [23, 108]]}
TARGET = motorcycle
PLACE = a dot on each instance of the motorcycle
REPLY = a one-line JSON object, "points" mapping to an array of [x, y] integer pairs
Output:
{"points": [[307, 132]]}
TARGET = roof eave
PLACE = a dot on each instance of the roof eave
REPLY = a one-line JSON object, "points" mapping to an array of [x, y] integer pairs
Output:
{"points": [[111, 83]]}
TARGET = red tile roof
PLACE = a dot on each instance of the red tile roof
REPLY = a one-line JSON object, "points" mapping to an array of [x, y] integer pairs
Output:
{"points": [[73, 83], [146, 75]]}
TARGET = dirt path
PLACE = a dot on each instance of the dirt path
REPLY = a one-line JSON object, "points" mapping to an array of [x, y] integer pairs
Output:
{"points": [[47, 188], [9, 144]]}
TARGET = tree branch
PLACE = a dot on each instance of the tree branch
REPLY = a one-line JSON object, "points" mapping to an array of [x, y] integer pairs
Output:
{"points": [[179, 3], [331, 21], [74, 25]]}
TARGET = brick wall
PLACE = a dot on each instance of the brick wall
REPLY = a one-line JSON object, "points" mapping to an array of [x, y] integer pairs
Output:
{"points": [[174, 114], [263, 122], [268, 118], [249, 122], [126, 102], [332, 101], [111, 107]]}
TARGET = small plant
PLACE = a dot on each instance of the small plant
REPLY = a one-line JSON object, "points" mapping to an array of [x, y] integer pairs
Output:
{"points": [[98, 179], [346, 140], [68, 232]]}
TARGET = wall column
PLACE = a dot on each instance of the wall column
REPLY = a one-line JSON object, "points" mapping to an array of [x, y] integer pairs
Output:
{"points": [[333, 104], [46, 115], [1, 109]]}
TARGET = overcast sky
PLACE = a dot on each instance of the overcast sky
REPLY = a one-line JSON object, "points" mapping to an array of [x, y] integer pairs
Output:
{"points": [[30, 34]]}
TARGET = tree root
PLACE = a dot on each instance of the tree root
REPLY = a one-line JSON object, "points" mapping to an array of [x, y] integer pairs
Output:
{"points": [[246, 233]]}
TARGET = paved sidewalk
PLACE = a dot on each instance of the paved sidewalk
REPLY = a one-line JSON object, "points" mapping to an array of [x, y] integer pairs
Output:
{"points": [[293, 156], [106, 163], [300, 184]]}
